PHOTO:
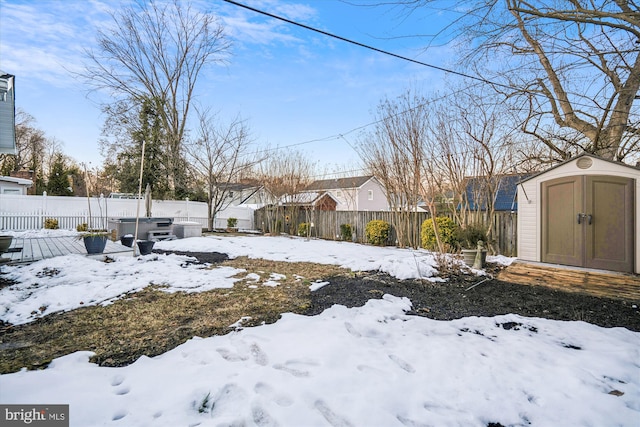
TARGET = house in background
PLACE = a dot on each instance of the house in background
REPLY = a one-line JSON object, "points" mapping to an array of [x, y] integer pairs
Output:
{"points": [[311, 200], [504, 192], [13, 185], [359, 193], [7, 114], [247, 195]]}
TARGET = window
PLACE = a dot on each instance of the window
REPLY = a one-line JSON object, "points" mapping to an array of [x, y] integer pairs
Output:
{"points": [[11, 191], [370, 194], [339, 194]]}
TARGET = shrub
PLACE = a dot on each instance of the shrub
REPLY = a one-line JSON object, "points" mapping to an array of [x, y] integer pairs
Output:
{"points": [[377, 232], [345, 232], [469, 235], [51, 224], [303, 229], [82, 227], [447, 228], [232, 222]]}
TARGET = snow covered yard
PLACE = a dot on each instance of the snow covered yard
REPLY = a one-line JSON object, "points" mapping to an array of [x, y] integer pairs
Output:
{"points": [[365, 366]]}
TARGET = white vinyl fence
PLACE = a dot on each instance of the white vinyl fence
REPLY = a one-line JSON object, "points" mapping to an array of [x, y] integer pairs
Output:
{"points": [[243, 214], [21, 212]]}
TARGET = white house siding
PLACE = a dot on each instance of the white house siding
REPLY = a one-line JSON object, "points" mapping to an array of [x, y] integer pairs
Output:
{"points": [[12, 188], [379, 202], [346, 198], [530, 211]]}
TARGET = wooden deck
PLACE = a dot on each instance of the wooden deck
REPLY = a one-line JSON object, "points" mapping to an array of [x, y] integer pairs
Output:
{"points": [[573, 279], [35, 249]]}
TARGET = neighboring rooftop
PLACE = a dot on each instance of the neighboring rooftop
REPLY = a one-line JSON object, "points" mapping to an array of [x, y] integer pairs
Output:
{"points": [[339, 183]]}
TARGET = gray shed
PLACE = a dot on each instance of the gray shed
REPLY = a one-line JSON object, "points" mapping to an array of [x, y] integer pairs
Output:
{"points": [[584, 212]]}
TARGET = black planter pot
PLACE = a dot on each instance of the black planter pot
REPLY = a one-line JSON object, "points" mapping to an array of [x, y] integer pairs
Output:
{"points": [[94, 244], [145, 246], [5, 242], [127, 240]]}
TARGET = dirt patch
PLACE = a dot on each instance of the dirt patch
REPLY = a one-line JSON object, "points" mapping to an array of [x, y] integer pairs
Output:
{"points": [[152, 322]]}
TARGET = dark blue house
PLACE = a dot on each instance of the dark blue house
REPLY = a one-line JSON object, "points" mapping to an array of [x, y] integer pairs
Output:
{"points": [[503, 189]]}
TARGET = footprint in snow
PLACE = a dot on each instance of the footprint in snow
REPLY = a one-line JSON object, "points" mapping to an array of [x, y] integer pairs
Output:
{"points": [[117, 380], [295, 367], [262, 417], [259, 356], [402, 364], [119, 415], [352, 330], [123, 390], [268, 392], [230, 400], [332, 418], [230, 356], [411, 423]]}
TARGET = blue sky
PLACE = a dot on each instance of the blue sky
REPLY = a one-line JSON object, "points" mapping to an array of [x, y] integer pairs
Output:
{"points": [[291, 85]]}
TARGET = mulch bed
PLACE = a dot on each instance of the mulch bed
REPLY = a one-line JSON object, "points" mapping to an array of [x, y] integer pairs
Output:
{"points": [[454, 299]]}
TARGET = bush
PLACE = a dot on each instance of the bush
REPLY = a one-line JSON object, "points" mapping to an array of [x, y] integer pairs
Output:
{"points": [[377, 232], [232, 222], [51, 224], [303, 229], [469, 236], [345, 232], [82, 227], [447, 228]]}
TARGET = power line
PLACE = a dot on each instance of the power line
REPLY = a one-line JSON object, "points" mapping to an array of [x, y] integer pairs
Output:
{"points": [[356, 43], [366, 46]]}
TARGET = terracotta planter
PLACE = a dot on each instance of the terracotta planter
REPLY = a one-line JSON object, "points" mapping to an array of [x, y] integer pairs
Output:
{"points": [[145, 246], [94, 244]]}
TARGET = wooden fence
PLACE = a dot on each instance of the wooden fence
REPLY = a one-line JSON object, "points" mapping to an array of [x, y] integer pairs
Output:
{"points": [[405, 226]]}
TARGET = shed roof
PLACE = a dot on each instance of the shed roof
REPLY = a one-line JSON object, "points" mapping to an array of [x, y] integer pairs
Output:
{"points": [[19, 181], [636, 168]]}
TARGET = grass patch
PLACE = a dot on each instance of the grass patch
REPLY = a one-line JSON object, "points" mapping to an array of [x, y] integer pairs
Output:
{"points": [[152, 322]]}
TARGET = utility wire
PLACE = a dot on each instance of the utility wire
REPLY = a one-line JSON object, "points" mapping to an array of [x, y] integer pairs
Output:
{"points": [[366, 46], [356, 43]]}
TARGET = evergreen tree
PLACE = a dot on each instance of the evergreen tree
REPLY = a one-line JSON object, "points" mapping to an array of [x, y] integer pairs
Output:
{"points": [[58, 182]]}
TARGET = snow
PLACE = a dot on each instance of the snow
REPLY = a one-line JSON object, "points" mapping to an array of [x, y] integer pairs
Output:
{"points": [[367, 366]]}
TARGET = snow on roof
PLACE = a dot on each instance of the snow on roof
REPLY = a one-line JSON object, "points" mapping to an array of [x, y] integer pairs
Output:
{"points": [[19, 181]]}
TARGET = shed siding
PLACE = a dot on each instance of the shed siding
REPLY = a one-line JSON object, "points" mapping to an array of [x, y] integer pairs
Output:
{"points": [[529, 211], [528, 232]]}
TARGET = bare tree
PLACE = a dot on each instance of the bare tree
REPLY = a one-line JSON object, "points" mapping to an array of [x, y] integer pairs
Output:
{"points": [[572, 67], [219, 156], [394, 153], [473, 147], [284, 176], [157, 50]]}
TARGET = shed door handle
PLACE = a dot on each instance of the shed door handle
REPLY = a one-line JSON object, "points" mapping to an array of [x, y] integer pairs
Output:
{"points": [[589, 218], [579, 218]]}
